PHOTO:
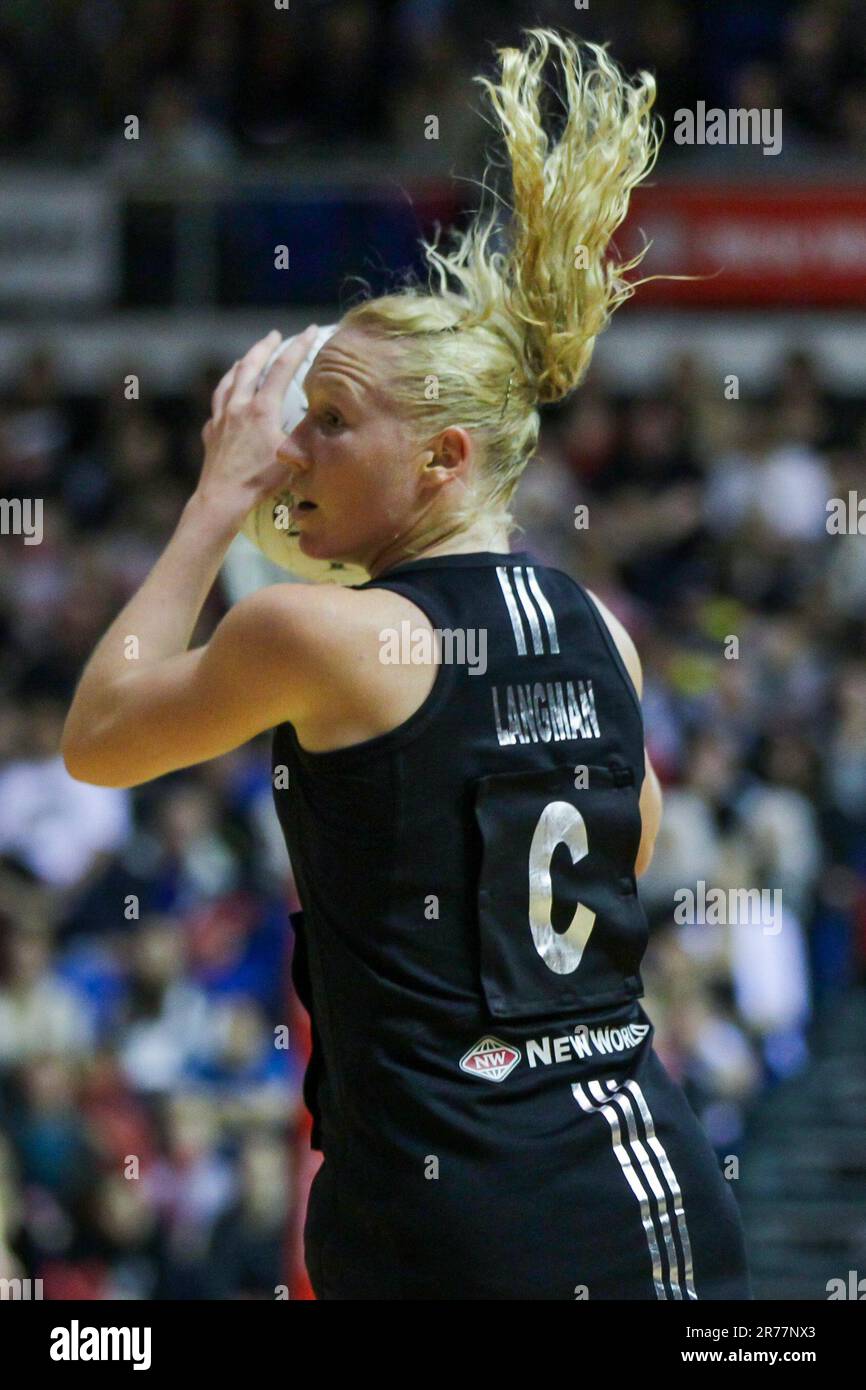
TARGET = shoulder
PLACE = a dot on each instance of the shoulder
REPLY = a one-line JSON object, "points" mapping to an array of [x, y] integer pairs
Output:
{"points": [[624, 644], [323, 616], [312, 642]]}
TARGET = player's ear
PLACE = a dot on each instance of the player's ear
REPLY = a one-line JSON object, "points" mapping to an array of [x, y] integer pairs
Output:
{"points": [[455, 445], [446, 455]]}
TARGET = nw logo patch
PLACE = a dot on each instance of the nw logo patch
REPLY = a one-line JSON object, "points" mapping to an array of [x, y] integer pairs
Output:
{"points": [[491, 1059]]}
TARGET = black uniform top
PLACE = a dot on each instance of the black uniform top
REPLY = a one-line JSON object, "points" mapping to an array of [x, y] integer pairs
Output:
{"points": [[470, 914]]}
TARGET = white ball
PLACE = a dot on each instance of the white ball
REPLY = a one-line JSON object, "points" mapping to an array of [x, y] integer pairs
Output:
{"points": [[268, 525]]}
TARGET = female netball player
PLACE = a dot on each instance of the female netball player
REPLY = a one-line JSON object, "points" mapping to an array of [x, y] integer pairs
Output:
{"points": [[459, 760]]}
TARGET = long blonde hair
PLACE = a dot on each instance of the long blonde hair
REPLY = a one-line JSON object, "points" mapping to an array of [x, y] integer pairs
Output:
{"points": [[495, 332]]}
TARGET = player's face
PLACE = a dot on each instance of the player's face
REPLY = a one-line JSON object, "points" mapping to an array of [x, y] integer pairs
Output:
{"points": [[353, 457]]}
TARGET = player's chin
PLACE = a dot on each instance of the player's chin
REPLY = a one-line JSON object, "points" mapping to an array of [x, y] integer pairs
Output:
{"points": [[315, 542]]}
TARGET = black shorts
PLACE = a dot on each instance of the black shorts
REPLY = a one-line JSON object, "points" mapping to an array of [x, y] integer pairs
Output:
{"points": [[620, 1197]]}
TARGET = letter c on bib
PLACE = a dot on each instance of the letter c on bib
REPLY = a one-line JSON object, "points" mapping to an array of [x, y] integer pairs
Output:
{"points": [[559, 823]]}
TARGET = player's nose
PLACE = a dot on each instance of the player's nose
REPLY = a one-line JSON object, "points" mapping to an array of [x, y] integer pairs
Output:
{"points": [[291, 456]]}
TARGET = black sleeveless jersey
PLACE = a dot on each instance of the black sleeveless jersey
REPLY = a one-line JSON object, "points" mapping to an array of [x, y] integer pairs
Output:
{"points": [[470, 910], [494, 1119]]}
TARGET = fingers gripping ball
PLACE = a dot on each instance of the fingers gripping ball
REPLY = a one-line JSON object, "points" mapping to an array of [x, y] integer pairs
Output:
{"points": [[269, 525]]}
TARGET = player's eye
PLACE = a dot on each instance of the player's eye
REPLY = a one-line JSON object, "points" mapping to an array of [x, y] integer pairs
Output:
{"points": [[332, 418]]}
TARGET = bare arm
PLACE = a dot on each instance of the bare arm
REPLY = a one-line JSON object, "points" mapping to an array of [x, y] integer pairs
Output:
{"points": [[146, 705], [651, 793], [127, 726]]}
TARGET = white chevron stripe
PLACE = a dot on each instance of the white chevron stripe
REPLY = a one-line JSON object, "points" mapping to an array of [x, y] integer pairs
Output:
{"points": [[629, 1172], [625, 1104], [676, 1192], [546, 609], [513, 610], [529, 610], [610, 1104]]}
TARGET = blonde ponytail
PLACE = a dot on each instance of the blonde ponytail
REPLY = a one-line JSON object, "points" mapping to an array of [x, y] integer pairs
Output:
{"points": [[510, 315]]}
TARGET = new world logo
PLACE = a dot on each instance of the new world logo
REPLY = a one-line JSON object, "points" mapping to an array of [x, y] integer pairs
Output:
{"points": [[491, 1059]]}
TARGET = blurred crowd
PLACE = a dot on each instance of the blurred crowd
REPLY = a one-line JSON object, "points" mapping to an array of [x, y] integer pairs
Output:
{"points": [[150, 1058], [706, 530], [214, 81]]}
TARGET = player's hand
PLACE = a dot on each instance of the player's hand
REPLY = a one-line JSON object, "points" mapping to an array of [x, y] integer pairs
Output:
{"points": [[244, 432]]}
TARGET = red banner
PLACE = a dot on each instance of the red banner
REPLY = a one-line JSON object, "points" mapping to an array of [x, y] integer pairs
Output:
{"points": [[784, 246]]}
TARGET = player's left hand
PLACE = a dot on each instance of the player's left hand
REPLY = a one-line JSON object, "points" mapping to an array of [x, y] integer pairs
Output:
{"points": [[243, 434]]}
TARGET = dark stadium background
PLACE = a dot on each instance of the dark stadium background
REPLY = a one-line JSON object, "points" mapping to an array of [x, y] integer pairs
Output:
{"points": [[707, 518]]}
